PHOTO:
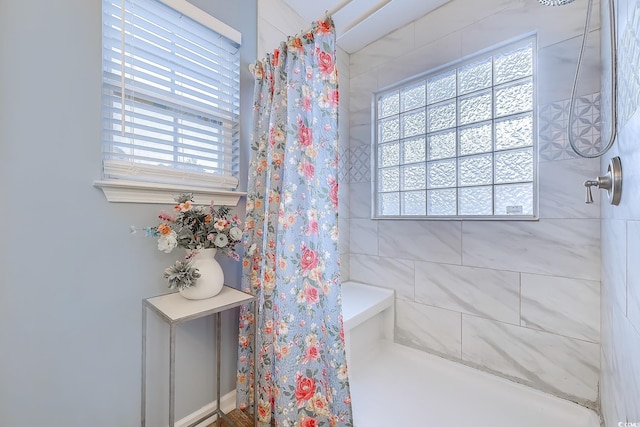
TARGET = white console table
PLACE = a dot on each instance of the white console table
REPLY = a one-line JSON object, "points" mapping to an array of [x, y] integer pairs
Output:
{"points": [[174, 309]]}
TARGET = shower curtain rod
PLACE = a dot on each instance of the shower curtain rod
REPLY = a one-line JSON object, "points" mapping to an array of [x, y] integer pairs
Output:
{"points": [[337, 8], [352, 24], [364, 16]]}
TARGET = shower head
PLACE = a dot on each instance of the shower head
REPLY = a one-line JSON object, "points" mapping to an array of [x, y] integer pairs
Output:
{"points": [[555, 2]]}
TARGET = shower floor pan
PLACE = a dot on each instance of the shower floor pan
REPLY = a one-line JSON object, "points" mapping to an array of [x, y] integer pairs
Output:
{"points": [[396, 386]]}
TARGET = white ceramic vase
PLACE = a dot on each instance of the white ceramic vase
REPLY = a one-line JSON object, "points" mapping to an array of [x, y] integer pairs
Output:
{"points": [[211, 279]]}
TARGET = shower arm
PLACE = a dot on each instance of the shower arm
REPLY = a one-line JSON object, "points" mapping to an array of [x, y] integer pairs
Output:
{"points": [[614, 119]]}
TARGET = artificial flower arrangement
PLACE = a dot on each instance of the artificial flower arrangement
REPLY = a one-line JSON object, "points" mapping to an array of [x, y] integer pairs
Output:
{"points": [[194, 228]]}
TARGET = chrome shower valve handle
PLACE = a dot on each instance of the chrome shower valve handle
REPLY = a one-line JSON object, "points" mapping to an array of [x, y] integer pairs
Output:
{"points": [[602, 182], [612, 182]]}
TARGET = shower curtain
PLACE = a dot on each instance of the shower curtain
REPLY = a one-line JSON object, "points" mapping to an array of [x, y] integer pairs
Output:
{"points": [[291, 241]]}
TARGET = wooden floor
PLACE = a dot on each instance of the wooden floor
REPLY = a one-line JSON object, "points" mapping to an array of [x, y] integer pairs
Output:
{"points": [[239, 418]]}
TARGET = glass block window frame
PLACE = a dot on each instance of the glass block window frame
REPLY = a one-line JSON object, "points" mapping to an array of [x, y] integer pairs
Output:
{"points": [[460, 142]]}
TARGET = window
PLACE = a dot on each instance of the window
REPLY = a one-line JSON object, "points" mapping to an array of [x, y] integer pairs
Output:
{"points": [[459, 142], [170, 95]]}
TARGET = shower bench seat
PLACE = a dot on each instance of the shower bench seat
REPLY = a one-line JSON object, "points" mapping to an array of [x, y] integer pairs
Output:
{"points": [[368, 315]]}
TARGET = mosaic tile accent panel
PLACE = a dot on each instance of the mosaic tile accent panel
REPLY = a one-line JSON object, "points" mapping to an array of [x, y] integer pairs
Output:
{"points": [[343, 164], [554, 119], [360, 170], [629, 79]]}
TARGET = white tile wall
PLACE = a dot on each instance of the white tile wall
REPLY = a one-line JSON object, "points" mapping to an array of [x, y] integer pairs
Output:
{"points": [[276, 21], [456, 17], [487, 293], [620, 376], [562, 192], [633, 273], [418, 325], [614, 270], [360, 199], [563, 306], [557, 364], [563, 247], [629, 41], [425, 57], [523, 17], [363, 238], [419, 240], [445, 271], [397, 274], [431, 317], [553, 62]]}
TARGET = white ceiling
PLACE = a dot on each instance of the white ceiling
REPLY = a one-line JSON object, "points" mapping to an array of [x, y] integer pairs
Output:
{"points": [[360, 22]]}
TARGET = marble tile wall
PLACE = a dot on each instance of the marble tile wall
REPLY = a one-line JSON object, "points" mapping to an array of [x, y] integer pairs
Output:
{"points": [[620, 307], [516, 298], [528, 319]]}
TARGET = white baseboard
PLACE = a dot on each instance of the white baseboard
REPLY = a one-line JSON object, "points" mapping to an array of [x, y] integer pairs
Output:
{"points": [[227, 404]]}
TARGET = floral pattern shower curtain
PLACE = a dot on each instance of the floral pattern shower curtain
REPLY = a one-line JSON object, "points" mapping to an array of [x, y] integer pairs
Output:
{"points": [[291, 247]]}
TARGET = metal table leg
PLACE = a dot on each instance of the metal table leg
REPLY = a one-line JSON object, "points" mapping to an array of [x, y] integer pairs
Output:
{"points": [[218, 343], [165, 307], [144, 367], [172, 375]]}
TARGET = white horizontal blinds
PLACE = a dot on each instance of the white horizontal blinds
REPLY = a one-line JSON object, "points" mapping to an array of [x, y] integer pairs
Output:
{"points": [[180, 104]]}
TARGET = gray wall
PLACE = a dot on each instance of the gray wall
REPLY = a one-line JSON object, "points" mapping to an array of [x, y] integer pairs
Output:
{"points": [[516, 298], [620, 376], [72, 276]]}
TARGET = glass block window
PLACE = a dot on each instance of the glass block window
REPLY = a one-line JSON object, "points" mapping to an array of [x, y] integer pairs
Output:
{"points": [[459, 142]]}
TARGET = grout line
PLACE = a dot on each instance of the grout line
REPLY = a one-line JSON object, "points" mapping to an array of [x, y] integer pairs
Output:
{"points": [[520, 298]]}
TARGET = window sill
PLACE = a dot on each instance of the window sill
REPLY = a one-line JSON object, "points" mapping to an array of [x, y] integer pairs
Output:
{"points": [[123, 191], [459, 218]]}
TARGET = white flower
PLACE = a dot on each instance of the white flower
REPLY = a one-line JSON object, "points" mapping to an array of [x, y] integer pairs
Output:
{"points": [[221, 240], [252, 249], [334, 233], [167, 242], [235, 233]]}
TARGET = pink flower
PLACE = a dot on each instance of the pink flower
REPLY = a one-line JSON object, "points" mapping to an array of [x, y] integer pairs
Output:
{"points": [[311, 294], [312, 225], [308, 169], [309, 259], [305, 135], [166, 216], [333, 191], [309, 422], [334, 97], [312, 228], [306, 103], [183, 207], [221, 224], [305, 388], [325, 63]]}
